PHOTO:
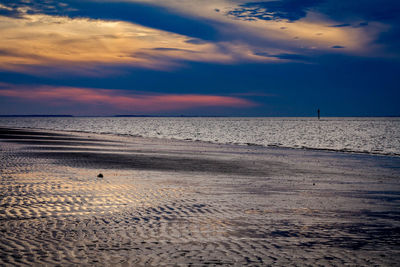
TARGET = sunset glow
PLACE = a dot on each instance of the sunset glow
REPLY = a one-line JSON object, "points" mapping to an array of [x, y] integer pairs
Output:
{"points": [[121, 100]]}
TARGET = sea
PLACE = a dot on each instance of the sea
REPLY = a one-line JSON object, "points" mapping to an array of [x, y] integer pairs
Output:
{"points": [[353, 135]]}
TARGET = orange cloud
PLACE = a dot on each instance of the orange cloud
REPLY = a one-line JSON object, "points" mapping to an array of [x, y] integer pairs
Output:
{"points": [[78, 44], [119, 99]]}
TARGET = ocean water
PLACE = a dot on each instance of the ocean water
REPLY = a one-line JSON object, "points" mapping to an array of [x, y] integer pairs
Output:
{"points": [[360, 135]]}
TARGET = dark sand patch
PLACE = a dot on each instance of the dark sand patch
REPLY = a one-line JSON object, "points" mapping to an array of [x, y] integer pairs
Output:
{"points": [[9, 131], [55, 143], [133, 161]]}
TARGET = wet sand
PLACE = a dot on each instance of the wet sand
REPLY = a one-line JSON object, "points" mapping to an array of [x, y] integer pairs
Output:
{"points": [[167, 202]]}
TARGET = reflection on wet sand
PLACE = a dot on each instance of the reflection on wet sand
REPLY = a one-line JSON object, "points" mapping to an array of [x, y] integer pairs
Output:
{"points": [[173, 202]]}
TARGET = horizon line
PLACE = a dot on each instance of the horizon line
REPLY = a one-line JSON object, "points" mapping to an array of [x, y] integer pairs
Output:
{"points": [[189, 116]]}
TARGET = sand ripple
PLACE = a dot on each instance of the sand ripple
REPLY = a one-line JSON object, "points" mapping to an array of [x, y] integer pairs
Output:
{"points": [[55, 211]]}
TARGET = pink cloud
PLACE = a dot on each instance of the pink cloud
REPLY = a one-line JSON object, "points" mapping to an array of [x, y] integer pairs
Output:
{"points": [[120, 99]]}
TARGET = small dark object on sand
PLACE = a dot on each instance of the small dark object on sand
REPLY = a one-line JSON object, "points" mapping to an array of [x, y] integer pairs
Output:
{"points": [[100, 175]]}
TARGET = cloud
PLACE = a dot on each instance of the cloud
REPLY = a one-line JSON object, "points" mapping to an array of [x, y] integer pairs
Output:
{"points": [[172, 49], [146, 14], [290, 10], [118, 100], [195, 41], [259, 24], [341, 25], [293, 57], [37, 40], [91, 37], [306, 30]]}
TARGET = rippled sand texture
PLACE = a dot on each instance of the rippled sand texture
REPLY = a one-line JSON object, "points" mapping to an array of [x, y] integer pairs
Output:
{"points": [[171, 202]]}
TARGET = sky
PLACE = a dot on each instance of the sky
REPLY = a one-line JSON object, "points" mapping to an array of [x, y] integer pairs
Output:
{"points": [[200, 57]]}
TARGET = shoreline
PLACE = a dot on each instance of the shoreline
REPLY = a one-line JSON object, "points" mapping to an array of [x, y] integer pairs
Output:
{"points": [[311, 149], [191, 203]]}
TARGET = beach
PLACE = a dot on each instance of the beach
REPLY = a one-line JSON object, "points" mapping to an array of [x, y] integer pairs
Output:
{"points": [[175, 202]]}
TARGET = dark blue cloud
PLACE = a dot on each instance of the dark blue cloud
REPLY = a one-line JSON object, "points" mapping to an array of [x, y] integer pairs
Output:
{"points": [[50, 7], [285, 56], [296, 57], [362, 24], [357, 25], [341, 25], [290, 10], [195, 41]]}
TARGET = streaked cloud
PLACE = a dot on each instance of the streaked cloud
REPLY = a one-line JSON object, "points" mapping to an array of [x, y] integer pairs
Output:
{"points": [[118, 100], [79, 44]]}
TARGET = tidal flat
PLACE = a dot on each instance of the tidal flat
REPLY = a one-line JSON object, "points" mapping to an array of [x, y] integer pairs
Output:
{"points": [[171, 202]]}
